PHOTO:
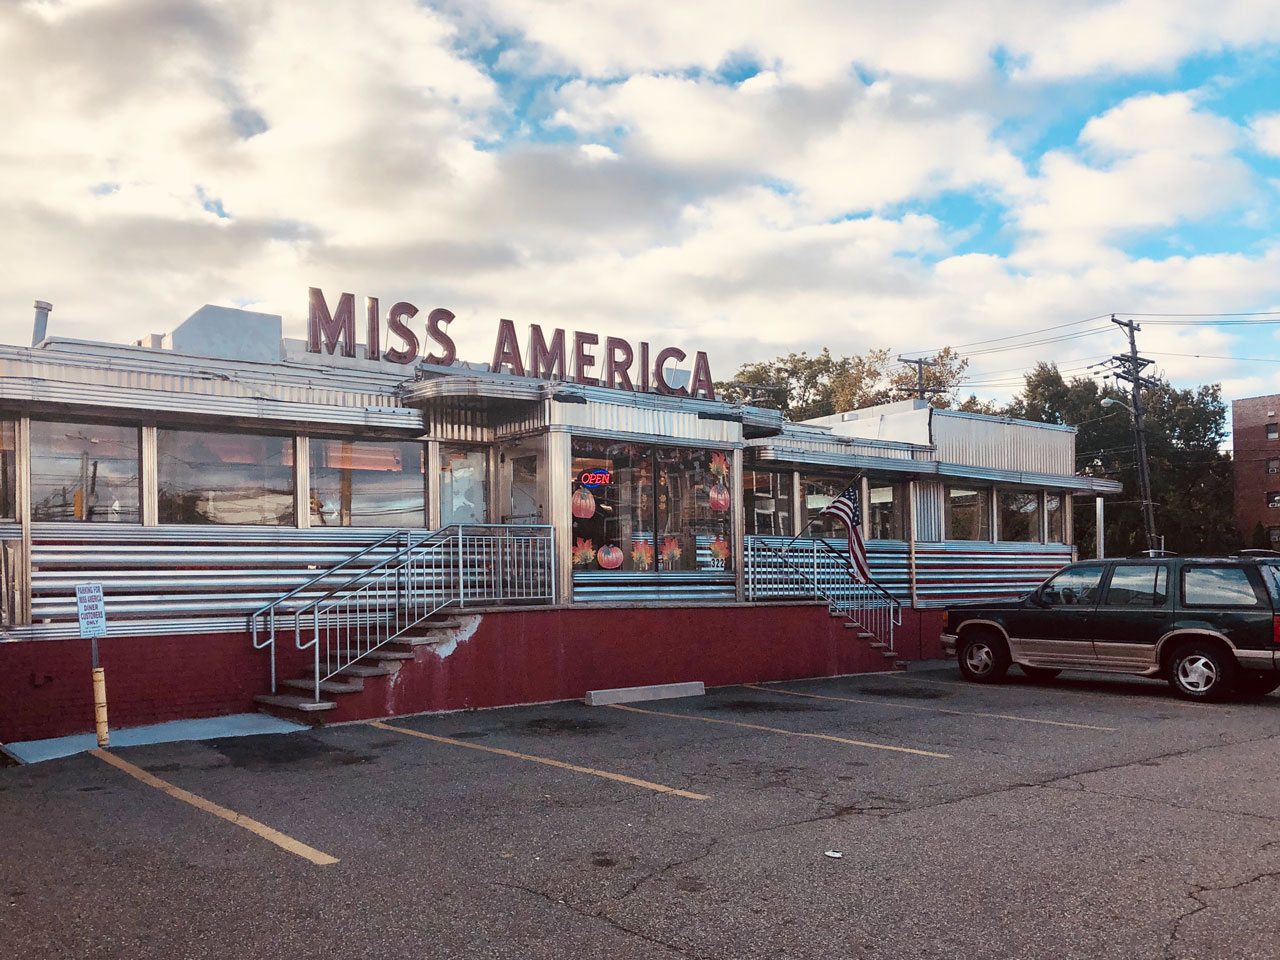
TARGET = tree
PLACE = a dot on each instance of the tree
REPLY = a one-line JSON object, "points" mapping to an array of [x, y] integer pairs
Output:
{"points": [[1191, 481], [804, 387]]}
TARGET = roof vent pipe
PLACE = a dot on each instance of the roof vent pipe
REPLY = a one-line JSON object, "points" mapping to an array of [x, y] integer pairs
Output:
{"points": [[42, 321]]}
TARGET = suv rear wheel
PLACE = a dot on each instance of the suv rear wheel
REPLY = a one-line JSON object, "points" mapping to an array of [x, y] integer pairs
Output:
{"points": [[983, 657], [1201, 671]]}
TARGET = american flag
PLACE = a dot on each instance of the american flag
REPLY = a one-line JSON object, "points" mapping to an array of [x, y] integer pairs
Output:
{"points": [[848, 510]]}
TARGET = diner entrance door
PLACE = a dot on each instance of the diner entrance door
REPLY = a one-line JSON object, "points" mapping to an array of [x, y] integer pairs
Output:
{"points": [[521, 490]]}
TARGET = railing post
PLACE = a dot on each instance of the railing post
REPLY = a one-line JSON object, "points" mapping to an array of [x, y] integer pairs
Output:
{"points": [[462, 593], [315, 640]]}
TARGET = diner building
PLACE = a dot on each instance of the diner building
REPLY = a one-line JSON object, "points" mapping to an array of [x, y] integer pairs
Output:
{"points": [[338, 531]]}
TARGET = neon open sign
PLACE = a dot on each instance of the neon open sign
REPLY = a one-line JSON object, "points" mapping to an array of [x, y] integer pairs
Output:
{"points": [[595, 478]]}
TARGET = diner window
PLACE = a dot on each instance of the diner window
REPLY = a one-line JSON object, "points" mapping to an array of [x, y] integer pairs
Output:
{"points": [[884, 512], [8, 470], [207, 477], [967, 513], [1019, 515], [1055, 517], [638, 507], [768, 503], [818, 492], [84, 471], [464, 485], [367, 484]]}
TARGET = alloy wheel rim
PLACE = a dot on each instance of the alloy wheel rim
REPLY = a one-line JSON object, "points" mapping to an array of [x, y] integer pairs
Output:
{"points": [[979, 658], [1197, 673]]}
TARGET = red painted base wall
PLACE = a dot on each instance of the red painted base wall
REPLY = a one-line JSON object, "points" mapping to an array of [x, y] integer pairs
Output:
{"points": [[512, 657]]}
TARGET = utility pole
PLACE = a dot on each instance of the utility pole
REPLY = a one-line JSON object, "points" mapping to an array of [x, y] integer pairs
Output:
{"points": [[1129, 368], [921, 390]]}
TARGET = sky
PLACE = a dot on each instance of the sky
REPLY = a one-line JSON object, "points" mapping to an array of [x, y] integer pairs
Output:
{"points": [[746, 178]]}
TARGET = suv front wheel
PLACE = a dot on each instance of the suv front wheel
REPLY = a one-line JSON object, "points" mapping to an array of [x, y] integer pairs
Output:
{"points": [[983, 657], [1201, 671]]}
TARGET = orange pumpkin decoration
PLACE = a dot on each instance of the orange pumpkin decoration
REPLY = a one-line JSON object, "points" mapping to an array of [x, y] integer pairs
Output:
{"points": [[720, 497], [609, 557], [584, 504]]}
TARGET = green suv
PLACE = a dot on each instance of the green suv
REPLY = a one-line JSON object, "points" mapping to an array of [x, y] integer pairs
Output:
{"points": [[1209, 625]]}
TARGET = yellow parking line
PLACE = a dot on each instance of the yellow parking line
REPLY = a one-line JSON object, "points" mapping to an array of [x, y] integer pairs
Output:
{"points": [[913, 706], [790, 733], [208, 806], [647, 785]]}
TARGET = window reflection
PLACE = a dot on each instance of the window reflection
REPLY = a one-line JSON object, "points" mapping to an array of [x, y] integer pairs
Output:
{"points": [[884, 512], [638, 507], [209, 477], [1019, 515], [464, 485], [1055, 517], [818, 491], [84, 471], [367, 484], [769, 503], [967, 513], [8, 468]]}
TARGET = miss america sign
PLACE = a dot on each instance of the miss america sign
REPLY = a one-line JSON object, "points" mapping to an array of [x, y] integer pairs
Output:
{"points": [[618, 365]]}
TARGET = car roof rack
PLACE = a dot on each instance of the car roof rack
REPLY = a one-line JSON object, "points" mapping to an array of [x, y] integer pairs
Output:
{"points": [[1153, 555], [1257, 552]]}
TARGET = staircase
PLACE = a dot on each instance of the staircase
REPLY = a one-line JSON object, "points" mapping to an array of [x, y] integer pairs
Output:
{"points": [[820, 572], [363, 618]]}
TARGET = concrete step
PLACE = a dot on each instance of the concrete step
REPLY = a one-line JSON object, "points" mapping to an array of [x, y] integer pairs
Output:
{"points": [[382, 653], [361, 669], [888, 653], [900, 664], [349, 685], [409, 642], [877, 644], [302, 709]]}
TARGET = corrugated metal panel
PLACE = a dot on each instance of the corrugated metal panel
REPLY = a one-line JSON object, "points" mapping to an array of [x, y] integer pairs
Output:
{"points": [[963, 571], [660, 425], [888, 560], [1001, 444], [928, 508], [601, 586]]}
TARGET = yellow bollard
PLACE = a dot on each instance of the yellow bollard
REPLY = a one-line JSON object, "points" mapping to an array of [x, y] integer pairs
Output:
{"points": [[100, 704]]}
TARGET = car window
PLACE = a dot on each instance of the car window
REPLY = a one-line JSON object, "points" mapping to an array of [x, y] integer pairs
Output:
{"points": [[1138, 585], [1073, 586], [1217, 587]]}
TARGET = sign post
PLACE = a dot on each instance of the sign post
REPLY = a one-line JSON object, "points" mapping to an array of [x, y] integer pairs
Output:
{"points": [[93, 624]]}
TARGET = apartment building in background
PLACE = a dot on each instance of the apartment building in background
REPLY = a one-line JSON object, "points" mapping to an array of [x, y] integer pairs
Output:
{"points": [[1255, 441]]}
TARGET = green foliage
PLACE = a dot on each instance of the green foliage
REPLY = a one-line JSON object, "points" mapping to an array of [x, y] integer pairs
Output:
{"points": [[1191, 479], [804, 387]]}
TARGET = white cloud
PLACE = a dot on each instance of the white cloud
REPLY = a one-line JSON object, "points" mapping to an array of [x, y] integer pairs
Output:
{"points": [[1266, 133]]}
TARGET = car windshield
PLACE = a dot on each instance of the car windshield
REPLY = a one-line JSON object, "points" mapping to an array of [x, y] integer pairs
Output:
{"points": [[1075, 585]]}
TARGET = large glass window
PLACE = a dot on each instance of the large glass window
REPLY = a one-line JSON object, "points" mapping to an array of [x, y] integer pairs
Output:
{"points": [[207, 477], [1218, 587], [1019, 515], [1138, 585], [818, 492], [1073, 586], [648, 508], [367, 484], [768, 503], [884, 512], [1055, 518], [84, 471], [464, 485], [8, 468], [967, 513]]}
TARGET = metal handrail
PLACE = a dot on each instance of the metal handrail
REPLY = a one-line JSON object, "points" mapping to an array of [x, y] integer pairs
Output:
{"points": [[864, 614]]}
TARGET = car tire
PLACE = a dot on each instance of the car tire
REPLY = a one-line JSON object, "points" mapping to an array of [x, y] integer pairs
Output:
{"points": [[1257, 684], [1201, 671], [1039, 673], [983, 657]]}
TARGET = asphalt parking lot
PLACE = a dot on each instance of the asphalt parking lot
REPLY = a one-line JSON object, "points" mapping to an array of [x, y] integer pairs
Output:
{"points": [[1089, 817]]}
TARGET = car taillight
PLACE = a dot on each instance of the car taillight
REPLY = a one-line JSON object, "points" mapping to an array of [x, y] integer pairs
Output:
{"points": [[944, 625], [1275, 629]]}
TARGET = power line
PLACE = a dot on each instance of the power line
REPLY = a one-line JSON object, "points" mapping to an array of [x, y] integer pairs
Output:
{"points": [[1013, 336]]}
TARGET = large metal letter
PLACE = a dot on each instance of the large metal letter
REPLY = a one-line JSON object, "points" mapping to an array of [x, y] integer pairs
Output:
{"points": [[506, 352], [396, 325], [583, 361], [335, 329], [702, 384], [549, 364], [435, 318], [617, 361], [659, 378], [372, 349]]}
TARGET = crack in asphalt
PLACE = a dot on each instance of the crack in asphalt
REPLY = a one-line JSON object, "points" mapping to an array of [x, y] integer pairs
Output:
{"points": [[1197, 894], [597, 915]]}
